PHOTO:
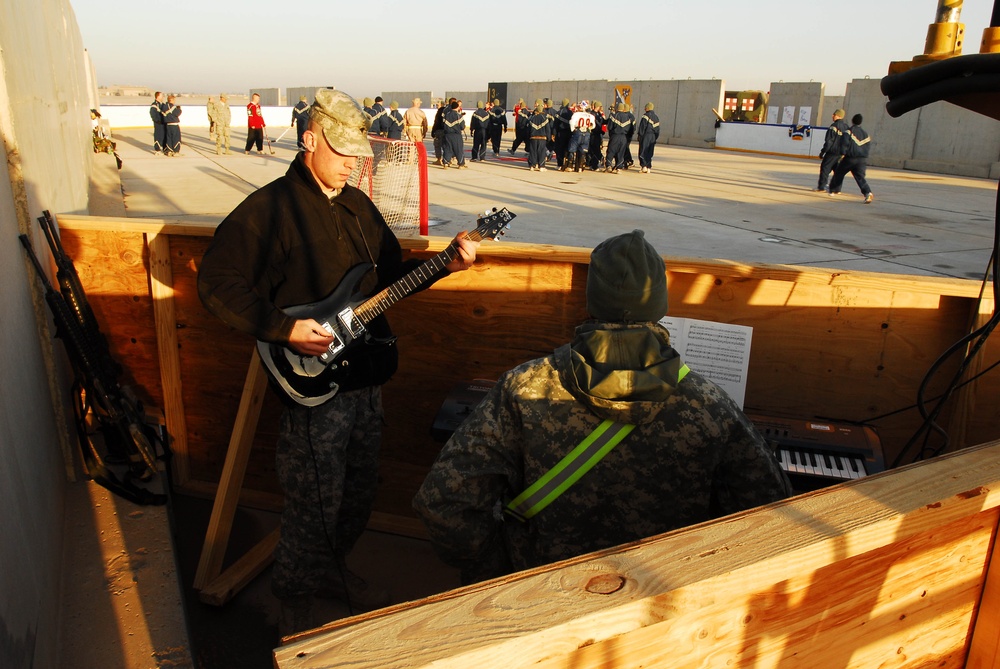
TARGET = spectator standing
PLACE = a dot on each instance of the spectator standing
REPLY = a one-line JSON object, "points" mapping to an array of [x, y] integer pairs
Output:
{"points": [[394, 122], [582, 124], [648, 131], [478, 124], [453, 127], [595, 154], [223, 119], [255, 125], [300, 120], [210, 113], [172, 123], [620, 124], [497, 126], [539, 135], [156, 109], [416, 121]]}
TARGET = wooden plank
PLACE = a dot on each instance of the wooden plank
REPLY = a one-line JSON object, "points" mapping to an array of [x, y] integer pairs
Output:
{"points": [[984, 650], [556, 253], [240, 573], [221, 521], [902, 553], [164, 317]]}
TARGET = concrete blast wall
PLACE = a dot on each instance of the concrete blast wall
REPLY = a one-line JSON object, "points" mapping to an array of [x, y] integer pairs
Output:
{"points": [[684, 107], [405, 98], [804, 102], [938, 137], [46, 144]]}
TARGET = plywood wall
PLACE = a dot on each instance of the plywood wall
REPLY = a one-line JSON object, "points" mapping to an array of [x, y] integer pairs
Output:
{"points": [[849, 347]]}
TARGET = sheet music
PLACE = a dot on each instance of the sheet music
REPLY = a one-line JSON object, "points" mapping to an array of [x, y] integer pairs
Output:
{"points": [[718, 351]]}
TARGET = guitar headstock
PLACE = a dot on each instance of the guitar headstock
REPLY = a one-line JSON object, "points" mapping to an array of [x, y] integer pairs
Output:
{"points": [[492, 224]]}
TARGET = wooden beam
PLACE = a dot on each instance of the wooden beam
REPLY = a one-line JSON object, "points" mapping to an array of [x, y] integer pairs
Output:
{"points": [[224, 509], [241, 572], [883, 570], [572, 254], [165, 319]]}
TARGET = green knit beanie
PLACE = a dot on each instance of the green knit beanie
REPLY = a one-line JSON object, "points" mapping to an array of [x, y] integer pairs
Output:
{"points": [[627, 280]]}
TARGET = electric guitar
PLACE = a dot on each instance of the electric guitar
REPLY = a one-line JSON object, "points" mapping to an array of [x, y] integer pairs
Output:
{"points": [[312, 380]]}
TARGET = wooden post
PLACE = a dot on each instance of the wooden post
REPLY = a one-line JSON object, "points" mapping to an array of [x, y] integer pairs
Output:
{"points": [[161, 285]]}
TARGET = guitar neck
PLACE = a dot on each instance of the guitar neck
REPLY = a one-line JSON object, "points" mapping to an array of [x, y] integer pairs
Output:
{"points": [[409, 284]]}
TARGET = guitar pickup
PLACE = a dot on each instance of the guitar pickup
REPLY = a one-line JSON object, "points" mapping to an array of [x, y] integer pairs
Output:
{"points": [[351, 323], [335, 347]]}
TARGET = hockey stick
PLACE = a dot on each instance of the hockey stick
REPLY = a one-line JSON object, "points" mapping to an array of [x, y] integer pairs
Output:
{"points": [[282, 134], [268, 140]]}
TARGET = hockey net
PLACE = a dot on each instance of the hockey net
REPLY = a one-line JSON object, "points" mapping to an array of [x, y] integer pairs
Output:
{"points": [[396, 181]]}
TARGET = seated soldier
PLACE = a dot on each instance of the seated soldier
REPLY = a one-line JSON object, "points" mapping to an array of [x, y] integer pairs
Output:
{"points": [[687, 453]]}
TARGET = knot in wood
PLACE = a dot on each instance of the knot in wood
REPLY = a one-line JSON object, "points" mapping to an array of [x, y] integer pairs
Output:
{"points": [[605, 584]]}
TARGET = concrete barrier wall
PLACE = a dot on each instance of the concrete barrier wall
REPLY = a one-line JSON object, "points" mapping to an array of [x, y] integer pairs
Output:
{"points": [[46, 143], [804, 99], [405, 98], [939, 137]]}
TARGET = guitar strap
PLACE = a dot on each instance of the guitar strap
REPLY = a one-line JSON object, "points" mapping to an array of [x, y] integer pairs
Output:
{"points": [[568, 471]]}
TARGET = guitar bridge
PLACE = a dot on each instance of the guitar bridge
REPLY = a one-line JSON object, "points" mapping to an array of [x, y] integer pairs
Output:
{"points": [[351, 323]]}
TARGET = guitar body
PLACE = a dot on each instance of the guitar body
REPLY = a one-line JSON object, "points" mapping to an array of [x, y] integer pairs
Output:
{"points": [[354, 359], [362, 353]]}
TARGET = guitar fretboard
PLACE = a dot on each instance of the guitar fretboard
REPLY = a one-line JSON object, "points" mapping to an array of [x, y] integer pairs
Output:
{"points": [[424, 273]]}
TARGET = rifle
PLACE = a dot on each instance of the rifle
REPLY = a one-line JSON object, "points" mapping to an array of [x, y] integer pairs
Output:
{"points": [[96, 389]]}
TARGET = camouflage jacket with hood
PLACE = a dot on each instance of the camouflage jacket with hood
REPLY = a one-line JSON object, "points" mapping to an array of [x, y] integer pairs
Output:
{"points": [[693, 455]]}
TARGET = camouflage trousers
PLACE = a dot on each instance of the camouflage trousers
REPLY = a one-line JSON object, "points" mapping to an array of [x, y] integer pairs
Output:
{"points": [[327, 465], [221, 138]]}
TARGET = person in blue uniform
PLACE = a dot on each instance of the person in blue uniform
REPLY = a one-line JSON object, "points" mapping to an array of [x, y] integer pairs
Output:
{"points": [[563, 133], [156, 109], [539, 135], [833, 148], [453, 125], [648, 131], [394, 122], [300, 119], [497, 126], [857, 146], [478, 124], [595, 154], [172, 127], [620, 122]]}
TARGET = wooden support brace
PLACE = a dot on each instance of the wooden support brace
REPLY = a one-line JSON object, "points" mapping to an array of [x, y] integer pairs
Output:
{"points": [[984, 651], [221, 522]]}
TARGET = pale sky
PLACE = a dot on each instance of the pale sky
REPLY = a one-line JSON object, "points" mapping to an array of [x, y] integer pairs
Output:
{"points": [[365, 48]]}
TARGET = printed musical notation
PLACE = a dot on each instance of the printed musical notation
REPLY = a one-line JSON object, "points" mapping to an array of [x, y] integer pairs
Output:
{"points": [[718, 351]]}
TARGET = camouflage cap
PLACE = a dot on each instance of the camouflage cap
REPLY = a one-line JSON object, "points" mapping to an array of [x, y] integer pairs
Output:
{"points": [[496, 101], [345, 125], [649, 106], [565, 102], [393, 105]]}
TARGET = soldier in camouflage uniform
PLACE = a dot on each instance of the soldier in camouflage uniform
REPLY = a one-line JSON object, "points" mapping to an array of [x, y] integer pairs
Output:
{"points": [[692, 455], [222, 117], [290, 243]]}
